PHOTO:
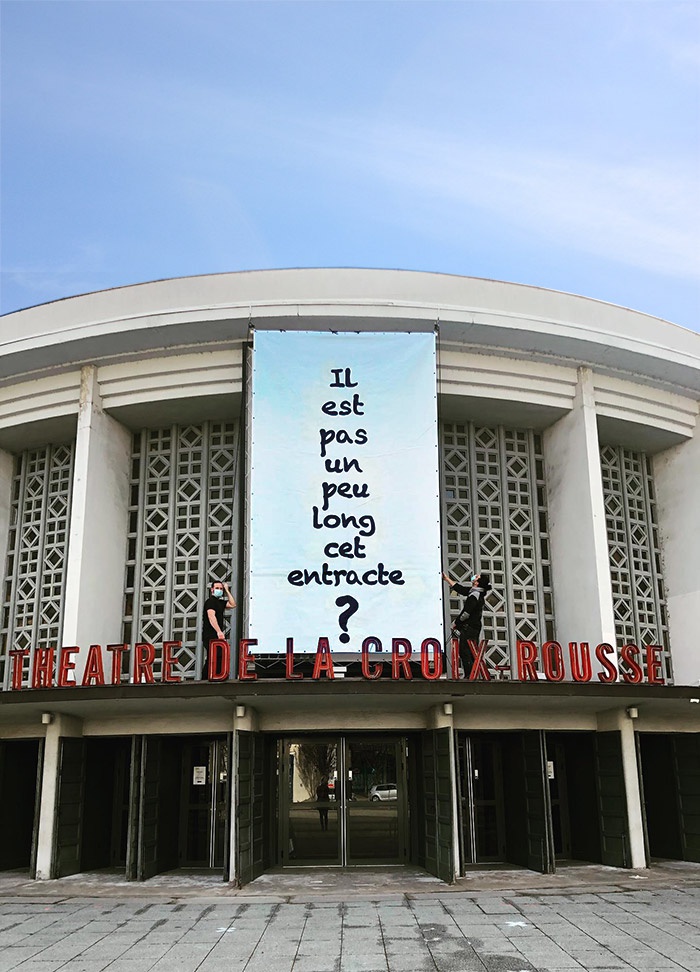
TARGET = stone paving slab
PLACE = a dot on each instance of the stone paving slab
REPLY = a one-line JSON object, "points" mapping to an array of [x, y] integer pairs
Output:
{"points": [[604, 922]]}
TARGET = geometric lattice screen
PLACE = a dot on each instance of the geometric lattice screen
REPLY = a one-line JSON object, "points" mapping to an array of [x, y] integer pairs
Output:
{"points": [[495, 520], [183, 533], [32, 609], [634, 551]]}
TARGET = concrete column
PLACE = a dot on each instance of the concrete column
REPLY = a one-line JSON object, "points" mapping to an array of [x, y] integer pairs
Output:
{"points": [[97, 544], [62, 725], [678, 509], [245, 719], [442, 717], [582, 586], [7, 466], [618, 720], [633, 792], [438, 718]]}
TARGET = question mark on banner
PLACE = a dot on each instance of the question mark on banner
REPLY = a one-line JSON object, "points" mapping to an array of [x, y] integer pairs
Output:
{"points": [[352, 607]]}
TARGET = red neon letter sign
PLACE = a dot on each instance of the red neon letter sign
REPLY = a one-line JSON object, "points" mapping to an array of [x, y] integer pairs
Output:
{"points": [[371, 671], [527, 656]]}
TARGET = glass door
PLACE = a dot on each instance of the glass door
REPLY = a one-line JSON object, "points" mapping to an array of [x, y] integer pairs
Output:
{"points": [[343, 800], [374, 801], [310, 799]]}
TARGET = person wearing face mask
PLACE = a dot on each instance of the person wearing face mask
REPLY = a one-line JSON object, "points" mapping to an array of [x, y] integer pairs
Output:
{"points": [[220, 599], [468, 622]]}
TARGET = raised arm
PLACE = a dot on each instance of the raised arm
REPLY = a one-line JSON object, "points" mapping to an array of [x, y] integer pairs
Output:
{"points": [[211, 614]]}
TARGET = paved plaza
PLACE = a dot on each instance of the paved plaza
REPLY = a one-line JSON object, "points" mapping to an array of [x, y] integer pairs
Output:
{"points": [[594, 919]]}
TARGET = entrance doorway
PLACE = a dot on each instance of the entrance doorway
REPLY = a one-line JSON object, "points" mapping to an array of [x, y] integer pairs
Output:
{"points": [[93, 801], [504, 799], [20, 772], [573, 788], [142, 804], [489, 809], [342, 800], [670, 771], [203, 804], [184, 806], [538, 798], [106, 807]]}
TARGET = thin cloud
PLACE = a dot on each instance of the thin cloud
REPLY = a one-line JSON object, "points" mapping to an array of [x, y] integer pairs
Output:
{"points": [[226, 165], [76, 275], [642, 215], [646, 215]]}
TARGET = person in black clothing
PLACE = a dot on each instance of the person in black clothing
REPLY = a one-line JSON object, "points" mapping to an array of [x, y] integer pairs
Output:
{"points": [[323, 795], [468, 621], [220, 599]]}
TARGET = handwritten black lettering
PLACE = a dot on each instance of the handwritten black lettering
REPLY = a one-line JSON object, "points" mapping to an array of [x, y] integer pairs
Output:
{"points": [[339, 382], [344, 490], [352, 407], [329, 577], [342, 465], [364, 524], [341, 437]]}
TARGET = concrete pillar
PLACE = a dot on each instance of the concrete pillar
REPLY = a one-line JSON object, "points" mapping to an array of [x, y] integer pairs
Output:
{"points": [[442, 717], [438, 718], [96, 563], [7, 465], [61, 725], [7, 468], [633, 792], [583, 601], [618, 720], [677, 482], [245, 719]]}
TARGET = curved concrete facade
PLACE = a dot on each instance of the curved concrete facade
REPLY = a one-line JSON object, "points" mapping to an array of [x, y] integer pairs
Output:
{"points": [[582, 375], [507, 354], [485, 314]]}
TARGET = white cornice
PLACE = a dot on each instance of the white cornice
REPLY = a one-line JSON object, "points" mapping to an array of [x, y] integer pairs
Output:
{"points": [[217, 311]]}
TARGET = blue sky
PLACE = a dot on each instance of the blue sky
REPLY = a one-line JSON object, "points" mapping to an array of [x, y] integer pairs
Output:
{"points": [[549, 143]]}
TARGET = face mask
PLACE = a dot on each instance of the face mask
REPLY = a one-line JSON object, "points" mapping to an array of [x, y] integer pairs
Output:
{"points": [[218, 593], [474, 577]]}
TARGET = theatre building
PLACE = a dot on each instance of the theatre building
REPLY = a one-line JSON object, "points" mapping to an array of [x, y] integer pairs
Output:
{"points": [[328, 442]]}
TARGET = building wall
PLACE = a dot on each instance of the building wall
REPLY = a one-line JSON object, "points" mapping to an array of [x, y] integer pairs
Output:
{"points": [[583, 375], [677, 474]]}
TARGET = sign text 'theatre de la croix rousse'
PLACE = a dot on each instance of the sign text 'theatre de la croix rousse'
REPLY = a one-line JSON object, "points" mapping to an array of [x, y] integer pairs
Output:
{"points": [[51, 668], [374, 436]]}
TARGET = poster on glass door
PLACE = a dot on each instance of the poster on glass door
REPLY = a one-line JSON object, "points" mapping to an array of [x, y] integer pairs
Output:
{"points": [[344, 490]]}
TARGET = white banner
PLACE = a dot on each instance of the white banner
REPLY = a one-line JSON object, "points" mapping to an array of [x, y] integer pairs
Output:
{"points": [[345, 512]]}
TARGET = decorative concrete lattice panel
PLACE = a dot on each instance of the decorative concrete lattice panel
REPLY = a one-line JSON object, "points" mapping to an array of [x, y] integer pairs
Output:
{"points": [[182, 533], [32, 613], [634, 551], [495, 520]]}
